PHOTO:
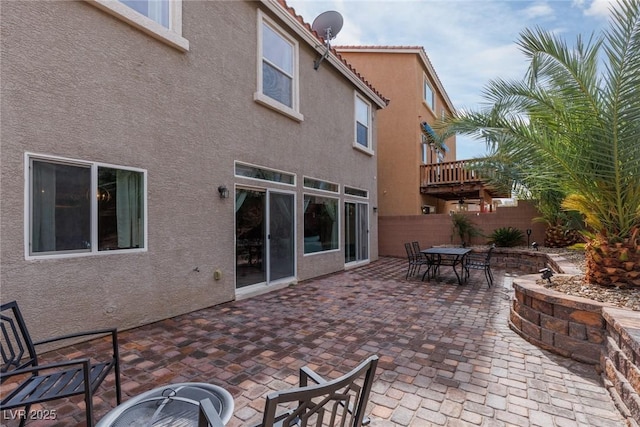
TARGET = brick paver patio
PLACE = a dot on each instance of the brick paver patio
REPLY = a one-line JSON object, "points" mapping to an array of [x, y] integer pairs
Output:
{"points": [[447, 356]]}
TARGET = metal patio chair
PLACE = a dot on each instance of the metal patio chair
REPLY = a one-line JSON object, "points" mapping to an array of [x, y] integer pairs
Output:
{"points": [[415, 258], [422, 259], [480, 261], [27, 382], [338, 402]]}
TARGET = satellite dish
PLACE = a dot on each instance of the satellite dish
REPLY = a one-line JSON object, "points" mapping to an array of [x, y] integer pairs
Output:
{"points": [[328, 24]]}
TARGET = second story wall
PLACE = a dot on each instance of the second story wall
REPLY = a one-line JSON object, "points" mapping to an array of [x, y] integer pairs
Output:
{"points": [[400, 74]]}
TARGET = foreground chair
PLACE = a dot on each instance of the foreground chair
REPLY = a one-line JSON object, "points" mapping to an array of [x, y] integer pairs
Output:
{"points": [[339, 402], [480, 261], [29, 383]]}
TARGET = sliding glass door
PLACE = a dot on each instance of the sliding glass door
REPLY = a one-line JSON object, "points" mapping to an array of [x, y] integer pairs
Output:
{"points": [[356, 232], [265, 236], [281, 236]]}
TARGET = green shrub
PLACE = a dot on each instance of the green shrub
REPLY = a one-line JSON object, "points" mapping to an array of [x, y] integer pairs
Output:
{"points": [[506, 237], [464, 228]]}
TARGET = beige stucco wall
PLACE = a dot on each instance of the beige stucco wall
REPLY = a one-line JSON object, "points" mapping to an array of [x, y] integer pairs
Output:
{"points": [[399, 76], [79, 83]]}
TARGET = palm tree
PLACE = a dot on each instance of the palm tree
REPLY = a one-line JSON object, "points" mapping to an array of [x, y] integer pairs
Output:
{"points": [[572, 126]]}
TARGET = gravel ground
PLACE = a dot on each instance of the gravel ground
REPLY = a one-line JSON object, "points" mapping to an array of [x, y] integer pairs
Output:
{"points": [[576, 285]]}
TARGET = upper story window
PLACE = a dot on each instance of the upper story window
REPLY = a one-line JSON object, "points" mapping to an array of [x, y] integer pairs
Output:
{"points": [[428, 95], [157, 10], [277, 69], [363, 124], [161, 19], [77, 207]]}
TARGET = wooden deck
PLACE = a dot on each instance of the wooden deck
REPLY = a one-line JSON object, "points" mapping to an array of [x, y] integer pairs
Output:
{"points": [[455, 180]]}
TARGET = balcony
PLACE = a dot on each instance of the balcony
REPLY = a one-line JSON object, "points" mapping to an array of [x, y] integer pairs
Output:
{"points": [[456, 180]]}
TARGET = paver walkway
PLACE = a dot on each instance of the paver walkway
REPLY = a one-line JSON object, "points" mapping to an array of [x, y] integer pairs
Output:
{"points": [[447, 356]]}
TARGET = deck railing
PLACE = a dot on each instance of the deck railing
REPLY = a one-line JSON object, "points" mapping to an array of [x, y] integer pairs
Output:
{"points": [[447, 173]]}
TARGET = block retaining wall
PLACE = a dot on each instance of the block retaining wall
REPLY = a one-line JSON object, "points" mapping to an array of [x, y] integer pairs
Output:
{"points": [[586, 331]]}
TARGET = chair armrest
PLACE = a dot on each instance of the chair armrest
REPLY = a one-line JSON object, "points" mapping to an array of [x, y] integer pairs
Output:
{"points": [[208, 416], [86, 364], [307, 373], [112, 331]]}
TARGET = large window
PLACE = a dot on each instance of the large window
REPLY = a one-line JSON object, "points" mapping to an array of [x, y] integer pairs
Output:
{"points": [[77, 207], [157, 10], [363, 123], [320, 224], [278, 69]]}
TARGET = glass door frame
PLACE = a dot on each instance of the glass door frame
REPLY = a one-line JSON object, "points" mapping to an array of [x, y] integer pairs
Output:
{"points": [[266, 255], [359, 205]]}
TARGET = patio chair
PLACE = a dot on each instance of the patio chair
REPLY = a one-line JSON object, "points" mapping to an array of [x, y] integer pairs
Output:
{"points": [[422, 259], [480, 261], [338, 402], [29, 382], [415, 258]]}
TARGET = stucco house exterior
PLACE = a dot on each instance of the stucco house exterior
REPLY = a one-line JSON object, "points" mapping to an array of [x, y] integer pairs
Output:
{"points": [[404, 74], [414, 177], [161, 157]]}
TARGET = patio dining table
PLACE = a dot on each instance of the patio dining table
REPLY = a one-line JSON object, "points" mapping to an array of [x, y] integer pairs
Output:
{"points": [[446, 256]]}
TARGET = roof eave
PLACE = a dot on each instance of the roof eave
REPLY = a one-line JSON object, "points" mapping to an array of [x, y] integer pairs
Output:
{"points": [[416, 50]]}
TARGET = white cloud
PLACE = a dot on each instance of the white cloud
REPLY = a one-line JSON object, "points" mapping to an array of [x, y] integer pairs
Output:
{"points": [[539, 10], [599, 8]]}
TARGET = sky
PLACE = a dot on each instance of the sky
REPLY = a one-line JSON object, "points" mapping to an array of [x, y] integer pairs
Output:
{"points": [[469, 42]]}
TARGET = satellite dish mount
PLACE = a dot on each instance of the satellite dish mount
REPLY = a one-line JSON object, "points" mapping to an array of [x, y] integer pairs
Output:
{"points": [[327, 25]]}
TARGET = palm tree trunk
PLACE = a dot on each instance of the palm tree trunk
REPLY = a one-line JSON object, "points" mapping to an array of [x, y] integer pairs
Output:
{"points": [[613, 264]]}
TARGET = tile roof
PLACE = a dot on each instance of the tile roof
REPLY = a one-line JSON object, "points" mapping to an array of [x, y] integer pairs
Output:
{"points": [[301, 20]]}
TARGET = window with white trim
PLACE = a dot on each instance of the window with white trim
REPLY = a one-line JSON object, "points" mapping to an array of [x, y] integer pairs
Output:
{"points": [[362, 123], [429, 95], [351, 191], [277, 68], [318, 184], [157, 10], [320, 223], [161, 19], [84, 207], [264, 174]]}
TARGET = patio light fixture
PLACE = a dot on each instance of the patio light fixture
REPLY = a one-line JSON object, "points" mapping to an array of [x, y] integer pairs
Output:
{"points": [[547, 274], [224, 191]]}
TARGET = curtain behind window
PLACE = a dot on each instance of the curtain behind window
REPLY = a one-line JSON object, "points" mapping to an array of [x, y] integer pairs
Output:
{"points": [[129, 209], [43, 221]]}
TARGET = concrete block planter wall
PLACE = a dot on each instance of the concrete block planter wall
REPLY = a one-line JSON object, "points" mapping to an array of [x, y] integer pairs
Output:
{"points": [[584, 330]]}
